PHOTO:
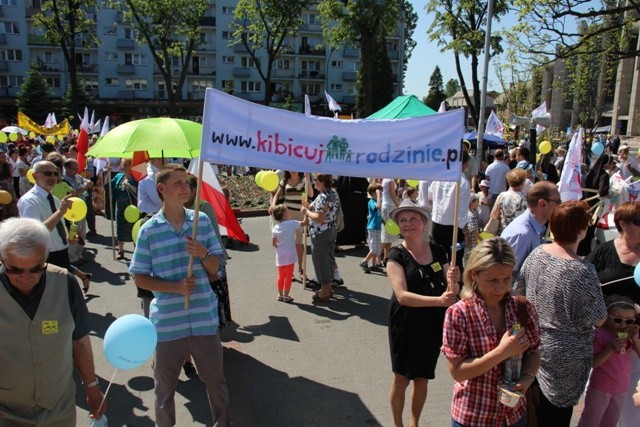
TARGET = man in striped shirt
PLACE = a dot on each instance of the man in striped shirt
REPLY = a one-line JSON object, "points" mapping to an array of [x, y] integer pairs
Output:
{"points": [[160, 264]]}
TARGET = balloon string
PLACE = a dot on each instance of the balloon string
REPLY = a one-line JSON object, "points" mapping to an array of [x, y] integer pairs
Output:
{"points": [[104, 397], [616, 281]]}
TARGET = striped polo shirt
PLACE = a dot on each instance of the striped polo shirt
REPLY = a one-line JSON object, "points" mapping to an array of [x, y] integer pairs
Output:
{"points": [[161, 252]]}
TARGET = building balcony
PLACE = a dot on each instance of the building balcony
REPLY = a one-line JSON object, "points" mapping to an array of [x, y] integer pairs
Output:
{"points": [[38, 40], [196, 94], [208, 21], [241, 72], [308, 50], [88, 68], [9, 92], [206, 47], [311, 74], [311, 28], [126, 69], [239, 48], [350, 52], [250, 96], [126, 94], [4, 65], [126, 44], [282, 74], [394, 55], [202, 71], [349, 76], [30, 12], [3, 39]]}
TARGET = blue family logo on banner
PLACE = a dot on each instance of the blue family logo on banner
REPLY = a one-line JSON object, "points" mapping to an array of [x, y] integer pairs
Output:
{"points": [[239, 132]]}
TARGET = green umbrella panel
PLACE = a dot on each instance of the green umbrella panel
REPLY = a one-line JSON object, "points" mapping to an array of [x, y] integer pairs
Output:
{"points": [[401, 107], [159, 136]]}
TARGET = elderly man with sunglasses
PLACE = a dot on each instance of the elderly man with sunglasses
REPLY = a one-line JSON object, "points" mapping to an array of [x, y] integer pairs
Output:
{"points": [[38, 203], [44, 325]]}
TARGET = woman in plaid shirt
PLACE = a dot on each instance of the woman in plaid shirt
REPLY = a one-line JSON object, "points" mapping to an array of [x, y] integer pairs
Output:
{"points": [[478, 338]]}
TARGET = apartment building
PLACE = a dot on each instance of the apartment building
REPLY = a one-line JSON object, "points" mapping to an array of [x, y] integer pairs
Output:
{"points": [[124, 80]]}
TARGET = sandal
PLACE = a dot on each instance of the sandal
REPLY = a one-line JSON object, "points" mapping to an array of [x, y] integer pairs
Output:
{"points": [[280, 298], [318, 298], [86, 282], [121, 255], [287, 298]]}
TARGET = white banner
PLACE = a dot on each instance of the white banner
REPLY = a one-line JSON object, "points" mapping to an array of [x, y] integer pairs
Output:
{"points": [[238, 132], [570, 186]]}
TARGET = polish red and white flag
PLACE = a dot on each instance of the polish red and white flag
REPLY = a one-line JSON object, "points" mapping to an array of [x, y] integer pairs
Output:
{"points": [[211, 191], [82, 145]]}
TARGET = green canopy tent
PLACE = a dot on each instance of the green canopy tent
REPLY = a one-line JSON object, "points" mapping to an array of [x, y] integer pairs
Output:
{"points": [[401, 107]]}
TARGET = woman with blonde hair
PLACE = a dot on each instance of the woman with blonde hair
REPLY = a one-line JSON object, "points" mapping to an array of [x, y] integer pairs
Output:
{"points": [[482, 331]]}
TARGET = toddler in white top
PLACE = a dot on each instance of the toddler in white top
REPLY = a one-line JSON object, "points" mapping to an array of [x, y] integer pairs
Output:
{"points": [[284, 240]]}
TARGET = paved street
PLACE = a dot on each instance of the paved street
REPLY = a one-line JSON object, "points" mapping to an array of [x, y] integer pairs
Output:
{"points": [[286, 364]]}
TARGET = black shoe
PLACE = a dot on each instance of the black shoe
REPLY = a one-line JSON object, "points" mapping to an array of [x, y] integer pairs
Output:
{"points": [[91, 233], [363, 265], [376, 268], [337, 282], [311, 284], [189, 369]]}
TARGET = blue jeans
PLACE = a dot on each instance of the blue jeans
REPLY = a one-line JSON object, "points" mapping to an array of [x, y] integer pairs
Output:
{"points": [[522, 422]]}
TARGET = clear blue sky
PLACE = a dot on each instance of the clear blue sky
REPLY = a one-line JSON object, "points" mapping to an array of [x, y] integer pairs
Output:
{"points": [[426, 55]]}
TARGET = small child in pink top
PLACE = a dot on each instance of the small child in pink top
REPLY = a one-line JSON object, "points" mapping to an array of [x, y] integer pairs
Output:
{"points": [[613, 347], [284, 240]]}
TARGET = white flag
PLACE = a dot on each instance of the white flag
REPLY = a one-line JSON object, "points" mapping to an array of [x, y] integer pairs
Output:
{"points": [[570, 185], [307, 105], [105, 126], [333, 105], [443, 107], [494, 125], [541, 110]]}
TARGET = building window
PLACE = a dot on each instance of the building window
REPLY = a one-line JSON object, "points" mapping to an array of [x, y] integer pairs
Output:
{"points": [[10, 81], [311, 65], [351, 89], [336, 64], [111, 56], [135, 59], [83, 59], [227, 10], [111, 81], [337, 87], [7, 27], [136, 84], [111, 30], [226, 35], [282, 64], [246, 61], [310, 88], [11, 55], [53, 82], [310, 18], [7, 2], [201, 85], [49, 58], [228, 59], [246, 86], [90, 85], [129, 33], [228, 85]]}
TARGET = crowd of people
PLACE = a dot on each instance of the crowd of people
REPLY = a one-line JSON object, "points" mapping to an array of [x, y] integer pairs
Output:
{"points": [[539, 298]]}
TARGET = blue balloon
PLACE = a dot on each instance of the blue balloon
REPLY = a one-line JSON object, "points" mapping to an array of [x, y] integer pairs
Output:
{"points": [[636, 274], [597, 148], [130, 341]]}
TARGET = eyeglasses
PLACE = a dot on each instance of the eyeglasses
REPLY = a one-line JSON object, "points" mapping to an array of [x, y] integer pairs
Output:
{"points": [[16, 270], [619, 320], [49, 173]]}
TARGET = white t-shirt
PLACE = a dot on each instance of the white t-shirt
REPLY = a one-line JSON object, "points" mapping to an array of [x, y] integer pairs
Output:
{"points": [[497, 174], [285, 234]]}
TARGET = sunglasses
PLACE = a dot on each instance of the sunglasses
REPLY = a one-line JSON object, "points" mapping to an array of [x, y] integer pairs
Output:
{"points": [[16, 270], [49, 173], [619, 320]]}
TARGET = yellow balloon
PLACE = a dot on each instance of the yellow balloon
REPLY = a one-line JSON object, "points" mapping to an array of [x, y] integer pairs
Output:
{"points": [[136, 230], [545, 147], [131, 214], [3, 137], [13, 136], [538, 158], [391, 227], [485, 235], [259, 177], [51, 139], [269, 181], [77, 211], [413, 183], [32, 135], [30, 177], [5, 197]]}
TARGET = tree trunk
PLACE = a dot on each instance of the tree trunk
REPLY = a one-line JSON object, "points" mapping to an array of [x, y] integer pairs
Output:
{"points": [[477, 96], [366, 52]]}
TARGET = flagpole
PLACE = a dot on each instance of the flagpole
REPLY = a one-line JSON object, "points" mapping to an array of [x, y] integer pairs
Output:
{"points": [[456, 208], [483, 92], [196, 208], [111, 215]]}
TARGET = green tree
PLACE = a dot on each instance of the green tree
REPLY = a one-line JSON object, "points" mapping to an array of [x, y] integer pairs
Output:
{"points": [[81, 96], [410, 23], [69, 24], [171, 30], [459, 26], [360, 23], [34, 98], [266, 26], [552, 28], [436, 90], [451, 88], [382, 81]]}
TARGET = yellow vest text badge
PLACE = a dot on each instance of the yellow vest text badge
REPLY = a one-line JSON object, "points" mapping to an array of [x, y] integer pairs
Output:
{"points": [[436, 267], [49, 327]]}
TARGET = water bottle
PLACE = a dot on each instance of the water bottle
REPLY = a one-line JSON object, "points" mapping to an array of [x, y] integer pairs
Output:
{"points": [[102, 422], [73, 231], [512, 365]]}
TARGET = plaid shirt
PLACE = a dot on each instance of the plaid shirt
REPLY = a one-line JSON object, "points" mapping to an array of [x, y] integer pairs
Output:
{"points": [[470, 333]]}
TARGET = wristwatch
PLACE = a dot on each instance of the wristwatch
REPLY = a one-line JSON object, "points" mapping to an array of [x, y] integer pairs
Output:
{"points": [[93, 383], [206, 257]]}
